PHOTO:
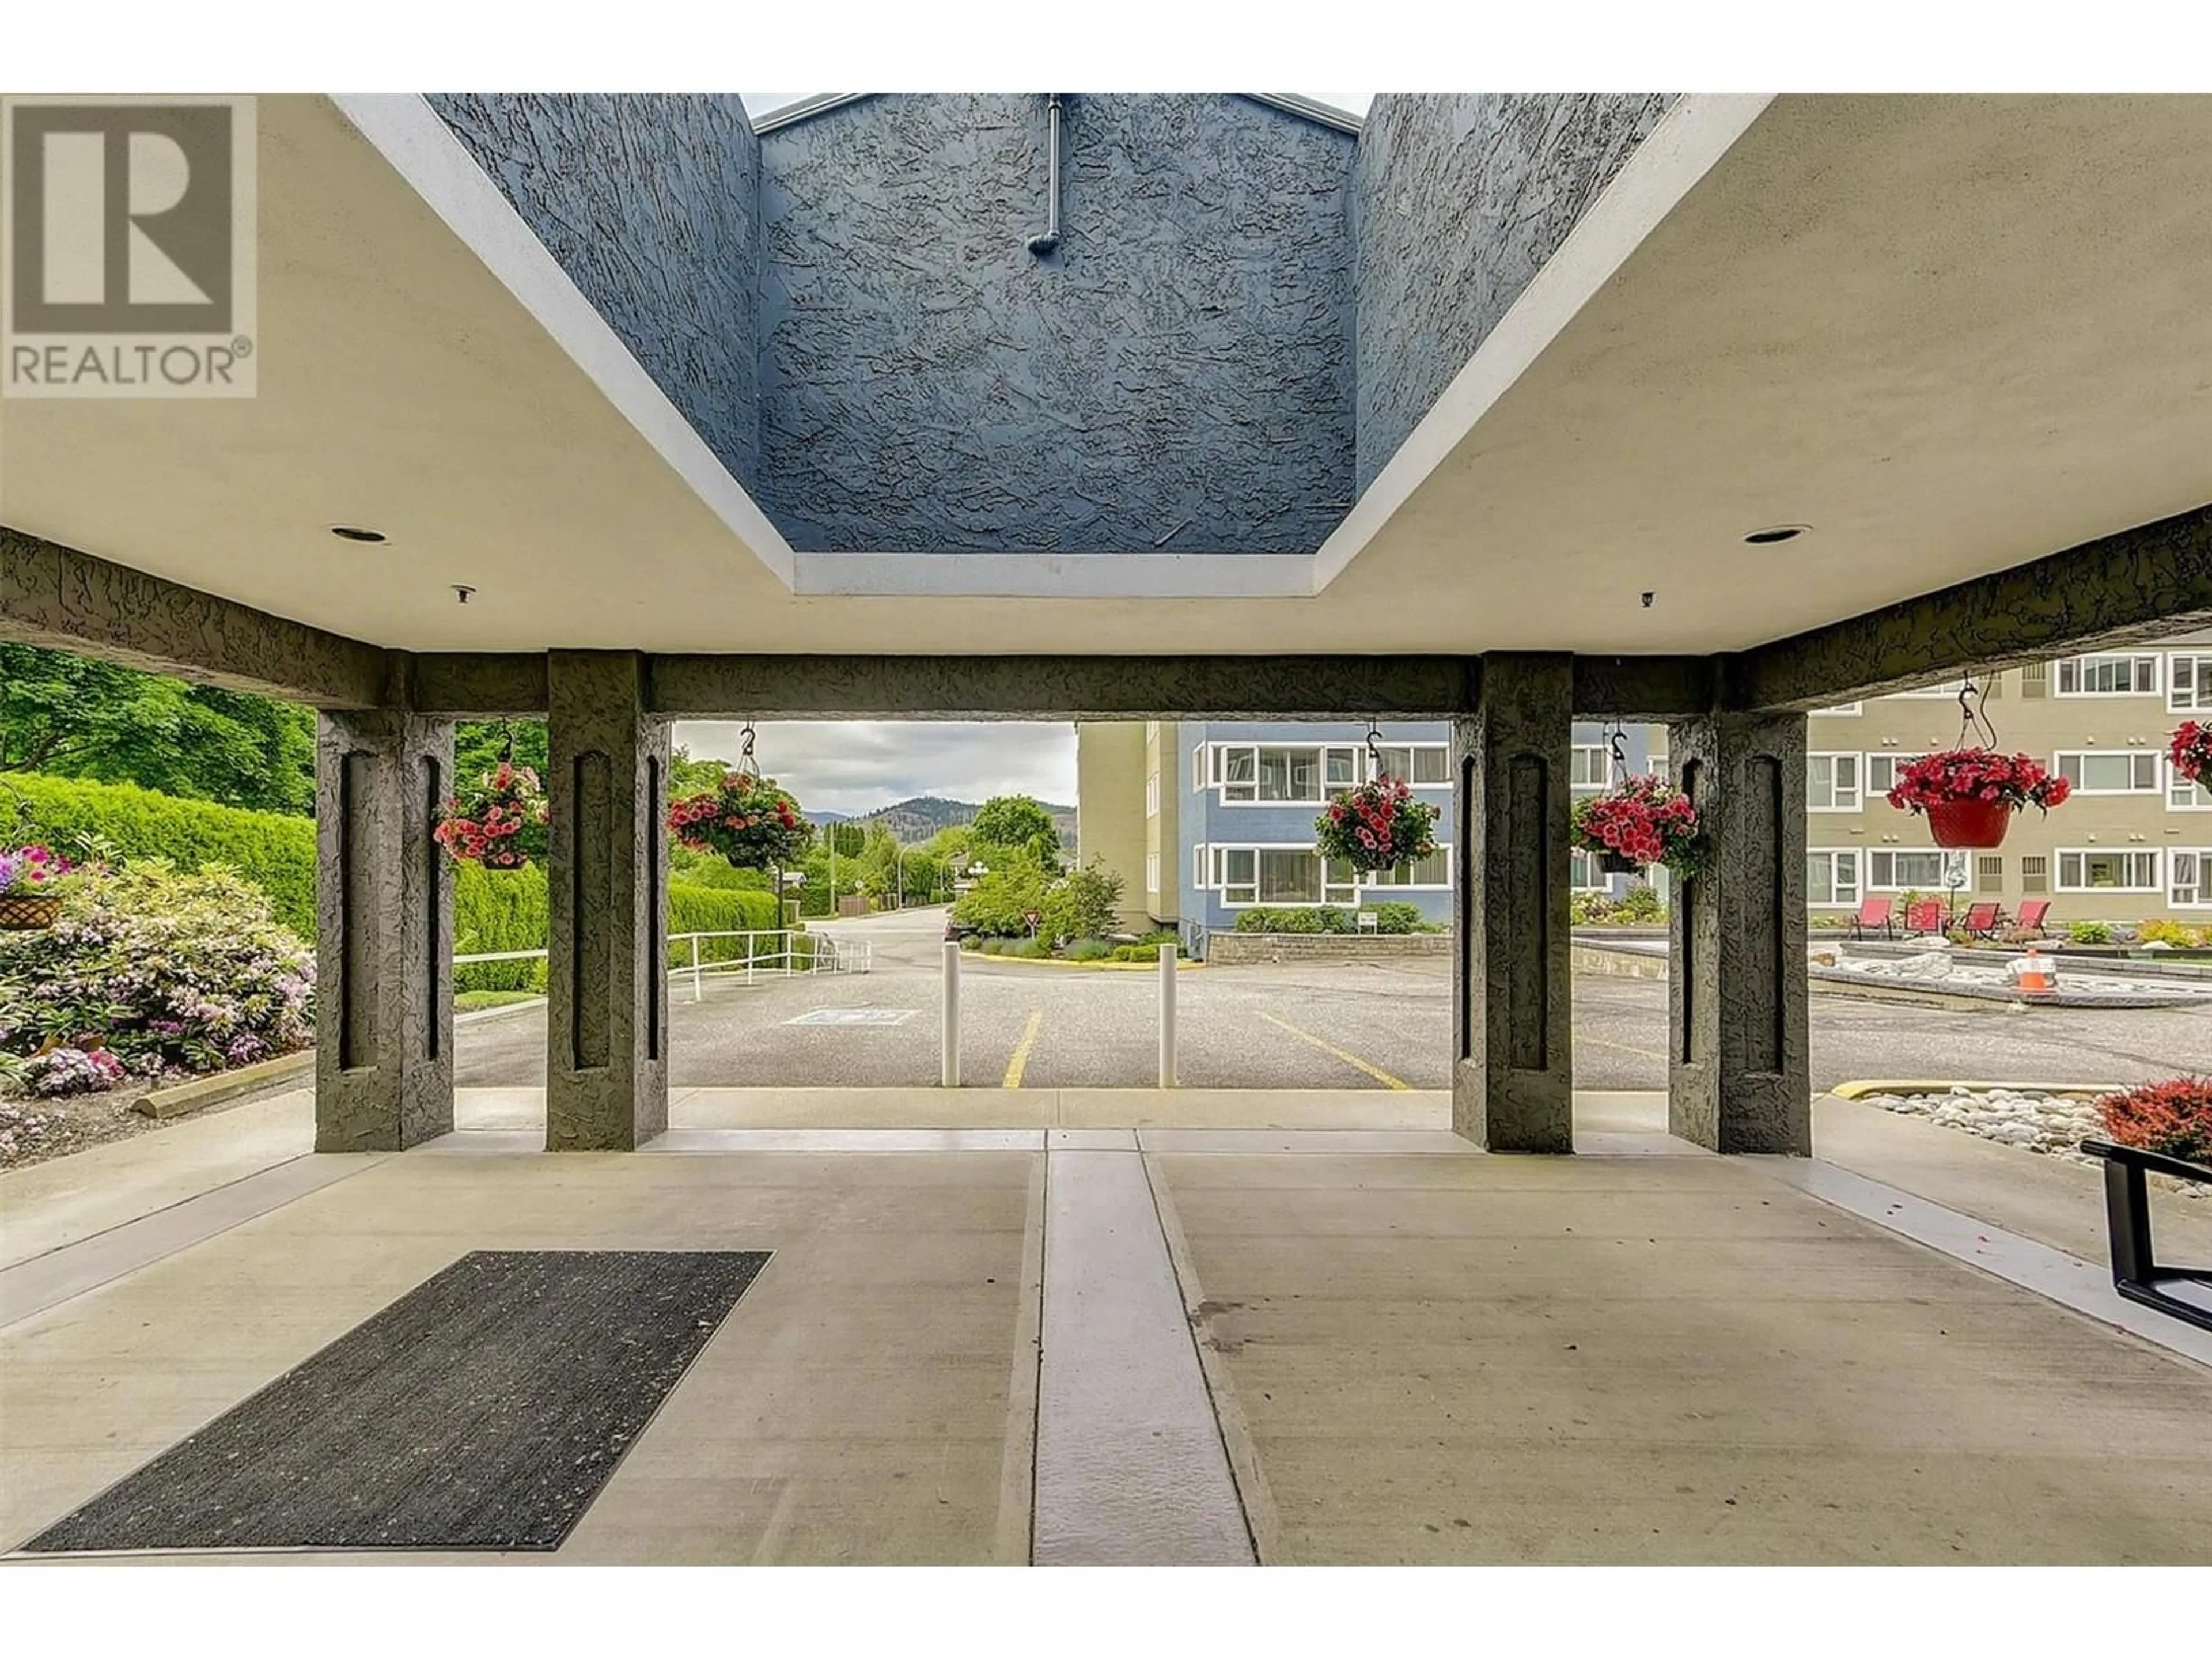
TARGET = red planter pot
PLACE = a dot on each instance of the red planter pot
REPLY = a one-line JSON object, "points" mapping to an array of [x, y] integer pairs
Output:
{"points": [[1969, 822]]}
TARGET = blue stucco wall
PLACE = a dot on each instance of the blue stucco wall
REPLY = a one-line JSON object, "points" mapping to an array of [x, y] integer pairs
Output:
{"points": [[651, 205], [1178, 375], [1458, 199]]}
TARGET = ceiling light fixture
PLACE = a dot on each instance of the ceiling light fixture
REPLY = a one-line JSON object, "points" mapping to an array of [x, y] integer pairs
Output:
{"points": [[346, 533], [1777, 533]]}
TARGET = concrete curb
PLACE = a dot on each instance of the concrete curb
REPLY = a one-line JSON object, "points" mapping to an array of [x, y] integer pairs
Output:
{"points": [[202, 1092], [1859, 1088], [1183, 964]]}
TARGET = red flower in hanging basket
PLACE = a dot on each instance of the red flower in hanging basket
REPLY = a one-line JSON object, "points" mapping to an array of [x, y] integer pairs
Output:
{"points": [[1378, 826], [749, 821], [500, 824], [1641, 821], [2191, 752], [1971, 794]]}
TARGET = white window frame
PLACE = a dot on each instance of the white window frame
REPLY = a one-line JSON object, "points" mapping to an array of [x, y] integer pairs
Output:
{"points": [[1898, 762], [1577, 756], [1151, 795], [1368, 770], [2189, 681], [2077, 669], [1855, 886], [1947, 861], [1218, 767], [1198, 769], [1582, 874], [2184, 794], [1344, 895], [2138, 760], [1151, 872], [1946, 692], [1840, 798], [1199, 865], [2196, 862], [2079, 885], [1840, 708], [1369, 883]]}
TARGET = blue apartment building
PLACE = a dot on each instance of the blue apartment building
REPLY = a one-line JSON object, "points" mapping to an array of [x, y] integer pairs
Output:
{"points": [[1206, 819]]}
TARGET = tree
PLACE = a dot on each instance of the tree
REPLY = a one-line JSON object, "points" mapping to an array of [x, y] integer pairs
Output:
{"points": [[1001, 903], [1019, 824], [1083, 903], [687, 776], [477, 745]]}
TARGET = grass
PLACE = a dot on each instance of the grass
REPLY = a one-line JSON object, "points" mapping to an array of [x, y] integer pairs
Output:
{"points": [[468, 1002]]}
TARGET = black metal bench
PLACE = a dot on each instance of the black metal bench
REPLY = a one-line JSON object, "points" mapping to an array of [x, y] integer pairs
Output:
{"points": [[2138, 1274]]}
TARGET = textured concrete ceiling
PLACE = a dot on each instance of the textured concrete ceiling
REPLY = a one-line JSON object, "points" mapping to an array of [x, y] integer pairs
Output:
{"points": [[1951, 334]]}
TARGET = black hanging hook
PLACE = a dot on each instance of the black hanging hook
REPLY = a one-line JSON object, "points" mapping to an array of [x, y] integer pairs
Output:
{"points": [[507, 741], [745, 760], [1973, 715], [1618, 742], [1374, 747]]}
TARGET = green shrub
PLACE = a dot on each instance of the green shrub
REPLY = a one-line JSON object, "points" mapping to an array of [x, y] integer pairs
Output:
{"points": [[1296, 919], [1030, 948], [499, 910], [2164, 931], [275, 851], [1081, 903], [999, 904], [1641, 906], [991, 945], [1396, 917], [1148, 951], [702, 869], [161, 968], [1089, 950], [2089, 933], [1589, 909]]}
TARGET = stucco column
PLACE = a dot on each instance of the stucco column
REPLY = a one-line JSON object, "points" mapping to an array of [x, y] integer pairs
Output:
{"points": [[1740, 1078], [384, 919], [606, 1028], [1512, 1058]]}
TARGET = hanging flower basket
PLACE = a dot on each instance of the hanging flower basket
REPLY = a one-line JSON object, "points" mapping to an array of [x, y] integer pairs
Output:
{"points": [[1971, 794], [32, 880], [1637, 822], [749, 821], [2191, 752], [500, 824], [1378, 826]]}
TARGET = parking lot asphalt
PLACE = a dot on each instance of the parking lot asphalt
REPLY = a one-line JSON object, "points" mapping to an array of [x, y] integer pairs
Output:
{"points": [[1280, 1026]]}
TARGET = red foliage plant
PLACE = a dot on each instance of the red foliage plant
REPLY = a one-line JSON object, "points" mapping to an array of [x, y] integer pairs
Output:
{"points": [[2191, 752], [2173, 1117], [2012, 780]]}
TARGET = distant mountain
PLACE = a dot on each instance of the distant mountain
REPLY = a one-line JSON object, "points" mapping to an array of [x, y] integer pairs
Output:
{"points": [[920, 817], [825, 816]]}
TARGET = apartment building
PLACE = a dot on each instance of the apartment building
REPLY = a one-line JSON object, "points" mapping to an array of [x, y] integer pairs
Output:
{"points": [[2134, 841], [1206, 819]]}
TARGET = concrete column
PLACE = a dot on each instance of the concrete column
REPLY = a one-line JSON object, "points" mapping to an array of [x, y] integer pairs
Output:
{"points": [[1739, 1077], [1513, 1064], [606, 1027], [384, 919]]}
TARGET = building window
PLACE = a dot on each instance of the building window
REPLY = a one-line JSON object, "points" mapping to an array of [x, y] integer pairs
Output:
{"points": [[1989, 873], [2183, 795], [1945, 691], [2092, 870], [1198, 769], [2122, 772], [1660, 767], [1882, 770], [1589, 767], [1273, 774], [1904, 870], [2035, 680], [1840, 708], [1424, 765], [1152, 731], [1434, 871], [2112, 674], [1583, 875], [1281, 875], [1151, 872], [1831, 783], [1831, 877], [2188, 684], [2034, 873], [1198, 865], [2189, 877], [1151, 795]]}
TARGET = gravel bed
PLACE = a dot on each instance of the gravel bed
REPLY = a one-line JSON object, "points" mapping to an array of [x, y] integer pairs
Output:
{"points": [[2053, 1125]]}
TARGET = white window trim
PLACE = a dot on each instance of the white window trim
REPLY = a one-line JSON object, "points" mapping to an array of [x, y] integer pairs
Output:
{"points": [[2058, 855], [2183, 795], [1151, 795], [1857, 791], [2158, 779], [1198, 769], [1841, 709], [1210, 774], [1367, 770], [1901, 759], [1219, 889], [2198, 699], [1858, 879], [1597, 880], [1946, 861], [1946, 692], [1151, 872], [1367, 883], [2203, 899], [1604, 751], [2058, 675]]}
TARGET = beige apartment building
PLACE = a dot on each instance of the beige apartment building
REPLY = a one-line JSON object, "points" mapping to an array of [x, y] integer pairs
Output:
{"points": [[2133, 842]]}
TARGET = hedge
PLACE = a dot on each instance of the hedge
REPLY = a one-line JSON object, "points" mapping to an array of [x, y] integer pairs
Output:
{"points": [[505, 910], [273, 850]]}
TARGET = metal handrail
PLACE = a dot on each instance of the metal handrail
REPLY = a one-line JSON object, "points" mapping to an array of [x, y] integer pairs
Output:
{"points": [[823, 955]]}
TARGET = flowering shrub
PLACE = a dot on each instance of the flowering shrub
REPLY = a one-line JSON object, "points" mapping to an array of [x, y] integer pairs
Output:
{"points": [[2191, 752], [1643, 820], [2010, 780], [1378, 826], [2173, 1117], [156, 970], [71, 1071], [36, 871], [749, 821], [500, 824]]}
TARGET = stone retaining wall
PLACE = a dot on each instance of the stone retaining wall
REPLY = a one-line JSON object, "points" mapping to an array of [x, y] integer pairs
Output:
{"points": [[1233, 950]]}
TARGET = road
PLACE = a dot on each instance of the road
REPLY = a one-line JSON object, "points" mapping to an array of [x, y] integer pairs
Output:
{"points": [[1302, 1026]]}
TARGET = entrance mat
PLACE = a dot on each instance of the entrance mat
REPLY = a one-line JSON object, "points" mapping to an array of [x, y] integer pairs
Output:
{"points": [[484, 1409]]}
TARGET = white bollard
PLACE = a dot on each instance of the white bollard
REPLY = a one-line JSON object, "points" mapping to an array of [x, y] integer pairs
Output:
{"points": [[1167, 1016], [948, 1035], [695, 991]]}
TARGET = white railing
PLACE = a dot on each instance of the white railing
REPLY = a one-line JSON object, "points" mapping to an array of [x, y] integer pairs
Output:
{"points": [[785, 952]]}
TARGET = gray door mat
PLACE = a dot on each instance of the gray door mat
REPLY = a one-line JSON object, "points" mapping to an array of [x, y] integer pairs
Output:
{"points": [[484, 1410]]}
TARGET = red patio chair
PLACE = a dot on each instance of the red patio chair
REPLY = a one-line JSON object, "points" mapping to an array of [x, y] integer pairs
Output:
{"points": [[1923, 916], [2031, 914], [1874, 913], [1983, 921]]}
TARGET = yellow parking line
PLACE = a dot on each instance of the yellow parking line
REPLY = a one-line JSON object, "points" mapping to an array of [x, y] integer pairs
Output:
{"points": [[1375, 1072], [1625, 1047], [1014, 1066]]}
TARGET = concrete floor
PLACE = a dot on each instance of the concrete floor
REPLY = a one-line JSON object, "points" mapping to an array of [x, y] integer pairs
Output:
{"points": [[1287, 1026], [1411, 1351]]}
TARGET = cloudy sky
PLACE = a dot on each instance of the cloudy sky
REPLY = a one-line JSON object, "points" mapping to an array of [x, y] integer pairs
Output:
{"points": [[855, 766]]}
